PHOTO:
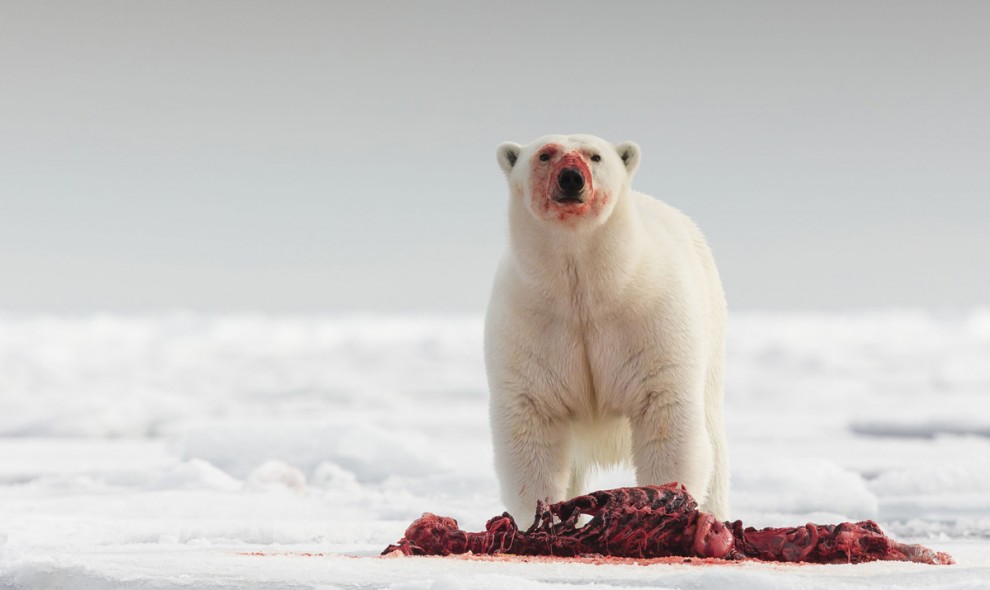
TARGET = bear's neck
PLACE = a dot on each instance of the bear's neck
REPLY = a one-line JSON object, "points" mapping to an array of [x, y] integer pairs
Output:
{"points": [[592, 262]]}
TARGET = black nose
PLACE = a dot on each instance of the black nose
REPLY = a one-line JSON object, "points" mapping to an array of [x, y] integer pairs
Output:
{"points": [[570, 182]]}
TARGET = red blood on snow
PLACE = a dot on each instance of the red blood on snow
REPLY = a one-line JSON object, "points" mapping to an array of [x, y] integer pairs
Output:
{"points": [[655, 522]]}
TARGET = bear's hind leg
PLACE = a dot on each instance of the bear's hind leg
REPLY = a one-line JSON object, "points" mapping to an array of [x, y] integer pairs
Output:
{"points": [[579, 474]]}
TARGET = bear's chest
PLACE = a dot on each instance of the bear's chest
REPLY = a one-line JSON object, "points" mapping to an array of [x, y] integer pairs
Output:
{"points": [[601, 367]]}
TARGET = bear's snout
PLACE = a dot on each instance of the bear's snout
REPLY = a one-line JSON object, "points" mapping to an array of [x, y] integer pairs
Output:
{"points": [[570, 181]]}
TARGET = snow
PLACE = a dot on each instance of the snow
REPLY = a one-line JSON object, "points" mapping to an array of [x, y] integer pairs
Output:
{"points": [[251, 451]]}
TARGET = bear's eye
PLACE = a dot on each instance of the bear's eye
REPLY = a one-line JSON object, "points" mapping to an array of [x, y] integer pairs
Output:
{"points": [[544, 157], [596, 158]]}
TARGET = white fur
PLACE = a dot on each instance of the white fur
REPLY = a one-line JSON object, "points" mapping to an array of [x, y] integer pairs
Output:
{"points": [[604, 340]]}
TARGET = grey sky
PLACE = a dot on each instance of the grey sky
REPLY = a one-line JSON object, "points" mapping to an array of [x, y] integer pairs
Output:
{"points": [[300, 156]]}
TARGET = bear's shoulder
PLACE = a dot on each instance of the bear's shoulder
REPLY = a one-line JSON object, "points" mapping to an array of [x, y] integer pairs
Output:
{"points": [[656, 215]]}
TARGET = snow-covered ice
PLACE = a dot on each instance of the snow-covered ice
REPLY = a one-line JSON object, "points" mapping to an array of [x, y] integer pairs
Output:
{"points": [[250, 451]]}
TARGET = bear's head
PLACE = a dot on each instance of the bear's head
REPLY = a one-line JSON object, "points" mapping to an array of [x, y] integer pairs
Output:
{"points": [[569, 179]]}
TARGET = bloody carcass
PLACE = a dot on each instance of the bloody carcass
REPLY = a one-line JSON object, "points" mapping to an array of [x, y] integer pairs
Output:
{"points": [[653, 522]]}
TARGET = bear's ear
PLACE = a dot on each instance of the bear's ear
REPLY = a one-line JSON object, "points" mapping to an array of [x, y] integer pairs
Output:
{"points": [[629, 152], [507, 153]]}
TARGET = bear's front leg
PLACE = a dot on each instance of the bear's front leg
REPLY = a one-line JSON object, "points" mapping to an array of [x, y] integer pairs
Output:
{"points": [[532, 456], [670, 442]]}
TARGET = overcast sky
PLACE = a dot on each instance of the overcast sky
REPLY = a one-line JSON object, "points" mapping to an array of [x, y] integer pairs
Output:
{"points": [[327, 156]]}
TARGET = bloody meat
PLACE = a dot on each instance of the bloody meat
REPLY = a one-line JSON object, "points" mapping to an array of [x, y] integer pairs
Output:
{"points": [[653, 522]]}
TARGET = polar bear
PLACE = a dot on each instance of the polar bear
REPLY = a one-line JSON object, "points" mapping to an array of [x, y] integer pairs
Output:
{"points": [[605, 333]]}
